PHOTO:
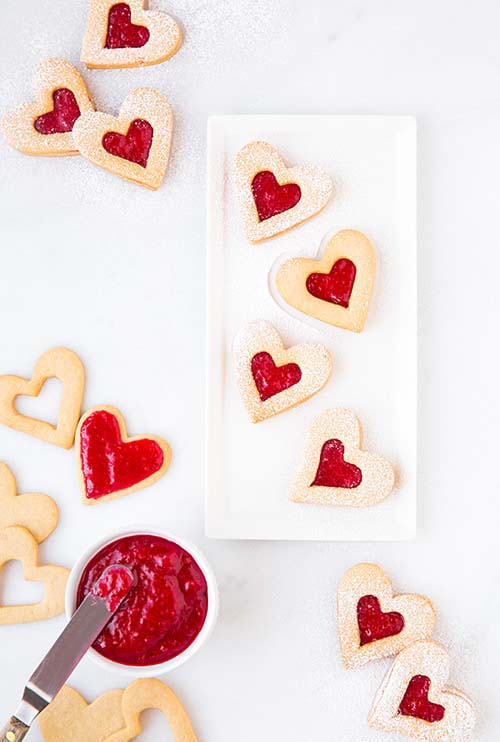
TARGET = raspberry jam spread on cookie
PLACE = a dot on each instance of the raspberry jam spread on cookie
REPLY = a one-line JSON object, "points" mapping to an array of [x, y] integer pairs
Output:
{"points": [[134, 145], [108, 463], [416, 701], [271, 379], [270, 197], [333, 470], [165, 609], [114, 584], [336, 286], [122, 33], [373, 623], [62, 117]]}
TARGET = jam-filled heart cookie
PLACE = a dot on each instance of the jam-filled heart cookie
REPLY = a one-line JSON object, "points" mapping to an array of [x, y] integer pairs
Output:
{"points": [[112, 464], [45, 127], [136, 145], [124, 34], [372, 621], [335, 288], [336, 471], [272, 197], [272, 379], [413, 700]]}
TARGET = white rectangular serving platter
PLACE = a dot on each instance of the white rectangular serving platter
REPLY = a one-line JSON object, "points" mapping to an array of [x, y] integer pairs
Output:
{"points": [[372, 160]]}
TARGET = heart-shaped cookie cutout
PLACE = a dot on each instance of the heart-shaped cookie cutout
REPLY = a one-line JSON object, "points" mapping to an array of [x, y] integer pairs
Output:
{"points": [[336, 471], [272, 197], [270, 377], [17, 543], [372, 621], [124, 34], [70, 717], [112, 464], [58, 363], [46, 127], [337, 287], [136, 145], [413, 700], [35, 512]]}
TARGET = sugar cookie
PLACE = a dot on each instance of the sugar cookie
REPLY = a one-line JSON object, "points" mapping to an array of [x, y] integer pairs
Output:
{"points": [[37, 513]]}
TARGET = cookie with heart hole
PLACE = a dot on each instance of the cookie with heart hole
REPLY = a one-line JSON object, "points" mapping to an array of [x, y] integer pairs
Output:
{"points": [[70, 717], [335, 288], [272, 197], [36, 512], [373, 622], [272, 378], [111, 463], [46, 126], [414, 701], [136, 144], [58, 363], [125, 34], [336, 470]]}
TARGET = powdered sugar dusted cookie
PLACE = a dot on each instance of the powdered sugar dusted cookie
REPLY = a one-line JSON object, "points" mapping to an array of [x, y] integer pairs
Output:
{"points": [[272, 197], [336, 471], [372, 621], [413, 700], [124, 34], [335, 288], [45, 127], [270, 377], [136, 145]]}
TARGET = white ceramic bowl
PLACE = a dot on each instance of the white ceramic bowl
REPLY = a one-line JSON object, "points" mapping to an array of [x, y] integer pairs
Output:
{"points": [[210, 620]]}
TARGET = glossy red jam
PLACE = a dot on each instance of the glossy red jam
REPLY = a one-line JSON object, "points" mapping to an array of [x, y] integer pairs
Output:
{"points": [[336, 286], [271, 379], [373, 624], [62, 117], [270, 197], [110, 465], [134, 145], [122, 33], [165, 609], [114, 585], [333, 470], [416, 701]]}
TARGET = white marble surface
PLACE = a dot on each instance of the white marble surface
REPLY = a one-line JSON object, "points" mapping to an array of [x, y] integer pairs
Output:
{"points": [[117, 273]]}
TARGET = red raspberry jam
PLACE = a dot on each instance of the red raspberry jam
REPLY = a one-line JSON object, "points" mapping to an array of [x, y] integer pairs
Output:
{"points": [[416, 702], [336, 286], [114, 584], [122, 33], [271, 379], [333, 471], [134, 145], [373, 624], [62, 117], [165, 609], [270, 197]]}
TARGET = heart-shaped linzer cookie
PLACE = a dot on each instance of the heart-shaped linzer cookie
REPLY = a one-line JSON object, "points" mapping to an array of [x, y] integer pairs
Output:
{"points": [[136, 145], [124, 34], [373, 622], [270, 377], [337, 287], [46, 127], [272, 197], [70, 717], [35, 512], [413, 700], [336, 471], [112, 464], [58, 363]]}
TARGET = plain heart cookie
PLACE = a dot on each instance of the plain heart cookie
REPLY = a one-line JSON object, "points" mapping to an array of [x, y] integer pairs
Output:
{"points": [[125, 34], [337, 287], [46, 126], [336, 471], [272, 197], [373, 622], [69, 718], [272, 378], [35, 512], [112, 464], [413, 700], [136, 145]]}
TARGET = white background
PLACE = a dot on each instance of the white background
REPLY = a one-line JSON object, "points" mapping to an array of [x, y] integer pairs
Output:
{"points": [[117, 273]]}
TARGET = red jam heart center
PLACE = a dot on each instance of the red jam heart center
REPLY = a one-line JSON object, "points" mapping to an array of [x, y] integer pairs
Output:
{"points": [[134, 145], [110, 465], [122, 33], [270, 197], [336, 286], [333, 471], [62, 117], [416, 701], [373, 623], [271, 379]]}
